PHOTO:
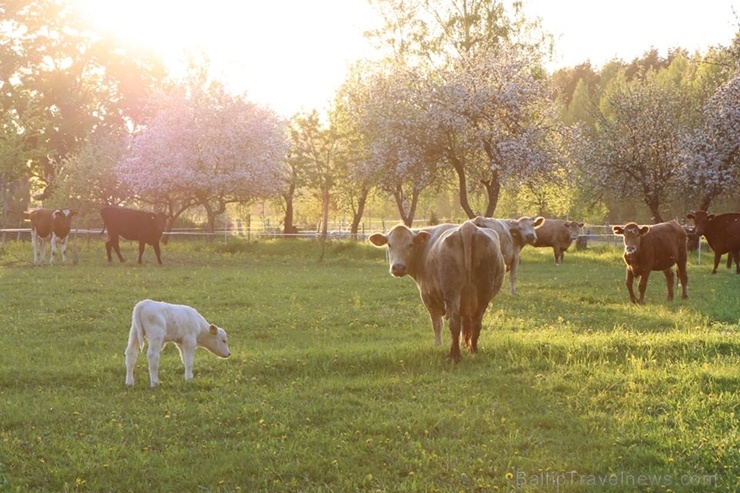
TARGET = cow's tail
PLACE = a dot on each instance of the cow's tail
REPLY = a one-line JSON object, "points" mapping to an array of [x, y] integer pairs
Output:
{"points": [[136, 336], [467, 231]]}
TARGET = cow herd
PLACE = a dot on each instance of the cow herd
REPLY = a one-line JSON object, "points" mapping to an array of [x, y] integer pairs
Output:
{"points": [[458, 269], [53, 225]]}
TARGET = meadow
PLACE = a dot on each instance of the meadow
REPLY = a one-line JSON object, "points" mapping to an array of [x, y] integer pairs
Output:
{"points": [[335, 385]]}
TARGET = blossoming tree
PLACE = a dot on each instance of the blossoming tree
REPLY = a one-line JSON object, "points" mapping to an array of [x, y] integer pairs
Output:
{"points": [[205, 147]]}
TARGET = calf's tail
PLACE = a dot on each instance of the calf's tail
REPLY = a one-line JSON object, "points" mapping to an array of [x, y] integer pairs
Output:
{"points": [[136, 336]]}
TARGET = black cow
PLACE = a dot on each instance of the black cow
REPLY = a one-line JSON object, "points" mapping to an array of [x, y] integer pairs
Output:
{"points": [[144, 227]]}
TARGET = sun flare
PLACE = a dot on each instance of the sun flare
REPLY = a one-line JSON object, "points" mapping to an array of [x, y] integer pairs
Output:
{"points": [[286, 54]]}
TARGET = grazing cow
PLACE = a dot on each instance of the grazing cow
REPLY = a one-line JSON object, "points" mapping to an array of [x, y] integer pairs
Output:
{"points": [[653, 248], [458, 270], [513, 234], [722, 232], [141, 226], [558, 234], [160, 323], [50, 224]]}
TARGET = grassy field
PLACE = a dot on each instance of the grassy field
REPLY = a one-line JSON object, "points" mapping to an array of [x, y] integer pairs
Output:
{"points": [[335, 385]]}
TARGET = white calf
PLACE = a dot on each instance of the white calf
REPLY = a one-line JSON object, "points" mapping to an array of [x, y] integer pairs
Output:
{"points": [[160, 323]]}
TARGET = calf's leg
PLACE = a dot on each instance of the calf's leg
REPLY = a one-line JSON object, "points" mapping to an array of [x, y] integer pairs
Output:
{"points": [[187, 355], [155, 347], [132, 354]]}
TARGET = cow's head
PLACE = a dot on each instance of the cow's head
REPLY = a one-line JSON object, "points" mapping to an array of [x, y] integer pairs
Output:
{"points": [[701, 221], [574, 228], [159, 221], [62, 221], [527, 227], [632, 235], [215, 341], [403, 247]]}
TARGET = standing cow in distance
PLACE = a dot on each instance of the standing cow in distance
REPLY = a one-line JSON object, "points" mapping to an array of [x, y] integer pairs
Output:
{"points": [[144, 227], [653, 248], [50, 224], [160, 323], [457, 269], [722, 232], [558, 234], [513, 234]]}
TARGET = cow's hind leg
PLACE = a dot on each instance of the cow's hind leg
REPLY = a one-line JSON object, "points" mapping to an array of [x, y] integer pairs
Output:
{"points": [[683, 278], [669, 280], [455, 326]]}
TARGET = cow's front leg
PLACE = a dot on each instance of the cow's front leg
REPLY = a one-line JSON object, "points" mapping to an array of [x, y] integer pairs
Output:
{"points": [[155, 347], [142, 245], [629, 281], [643, 286]]}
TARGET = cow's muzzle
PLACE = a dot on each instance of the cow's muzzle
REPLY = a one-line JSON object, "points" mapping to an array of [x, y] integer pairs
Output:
{"points": [[630, 250], [399, 270]]}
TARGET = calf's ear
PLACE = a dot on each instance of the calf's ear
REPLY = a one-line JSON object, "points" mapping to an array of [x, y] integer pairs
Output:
{"points": [[644, 230], [690, 215], [213, 329], [378, 239], [618, 230]]}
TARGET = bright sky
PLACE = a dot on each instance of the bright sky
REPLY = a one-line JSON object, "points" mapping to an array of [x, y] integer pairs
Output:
{"points": [[292, 55]]}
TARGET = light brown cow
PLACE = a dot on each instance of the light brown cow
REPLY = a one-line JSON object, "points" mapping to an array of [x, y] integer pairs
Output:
{"points": [[656, 247], [458, 270], [558, 234], [50, 224], [513, 234]]}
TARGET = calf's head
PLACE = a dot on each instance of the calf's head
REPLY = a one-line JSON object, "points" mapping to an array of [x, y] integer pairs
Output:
{"points": [[403, 247], [215, 341], [632, 235]]}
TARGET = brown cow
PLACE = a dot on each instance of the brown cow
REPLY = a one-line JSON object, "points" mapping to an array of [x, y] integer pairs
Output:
{"points": [[48, 224], [656, 247], [722, 232], [458, 270], [558, 234], [513, 234]]}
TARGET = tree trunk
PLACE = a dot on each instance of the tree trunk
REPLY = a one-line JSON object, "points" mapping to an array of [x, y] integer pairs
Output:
{"points": [[493, 190], [288, 228], [325, 211], [462, 184], [357, 217]]}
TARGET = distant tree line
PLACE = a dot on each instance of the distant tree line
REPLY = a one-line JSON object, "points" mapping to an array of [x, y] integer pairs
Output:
{"points": [[457, 100]]}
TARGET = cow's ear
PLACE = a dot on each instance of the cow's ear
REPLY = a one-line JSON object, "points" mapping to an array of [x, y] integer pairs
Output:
{"points": [[421, 237], [690, 215], [580, 225], [644, 230], [710, 217], [618, 230], [378, 239], [213, 329], [539, 221]]}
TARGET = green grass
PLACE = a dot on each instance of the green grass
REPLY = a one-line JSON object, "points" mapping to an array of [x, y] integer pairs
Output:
{"points": [[335, 385]]}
